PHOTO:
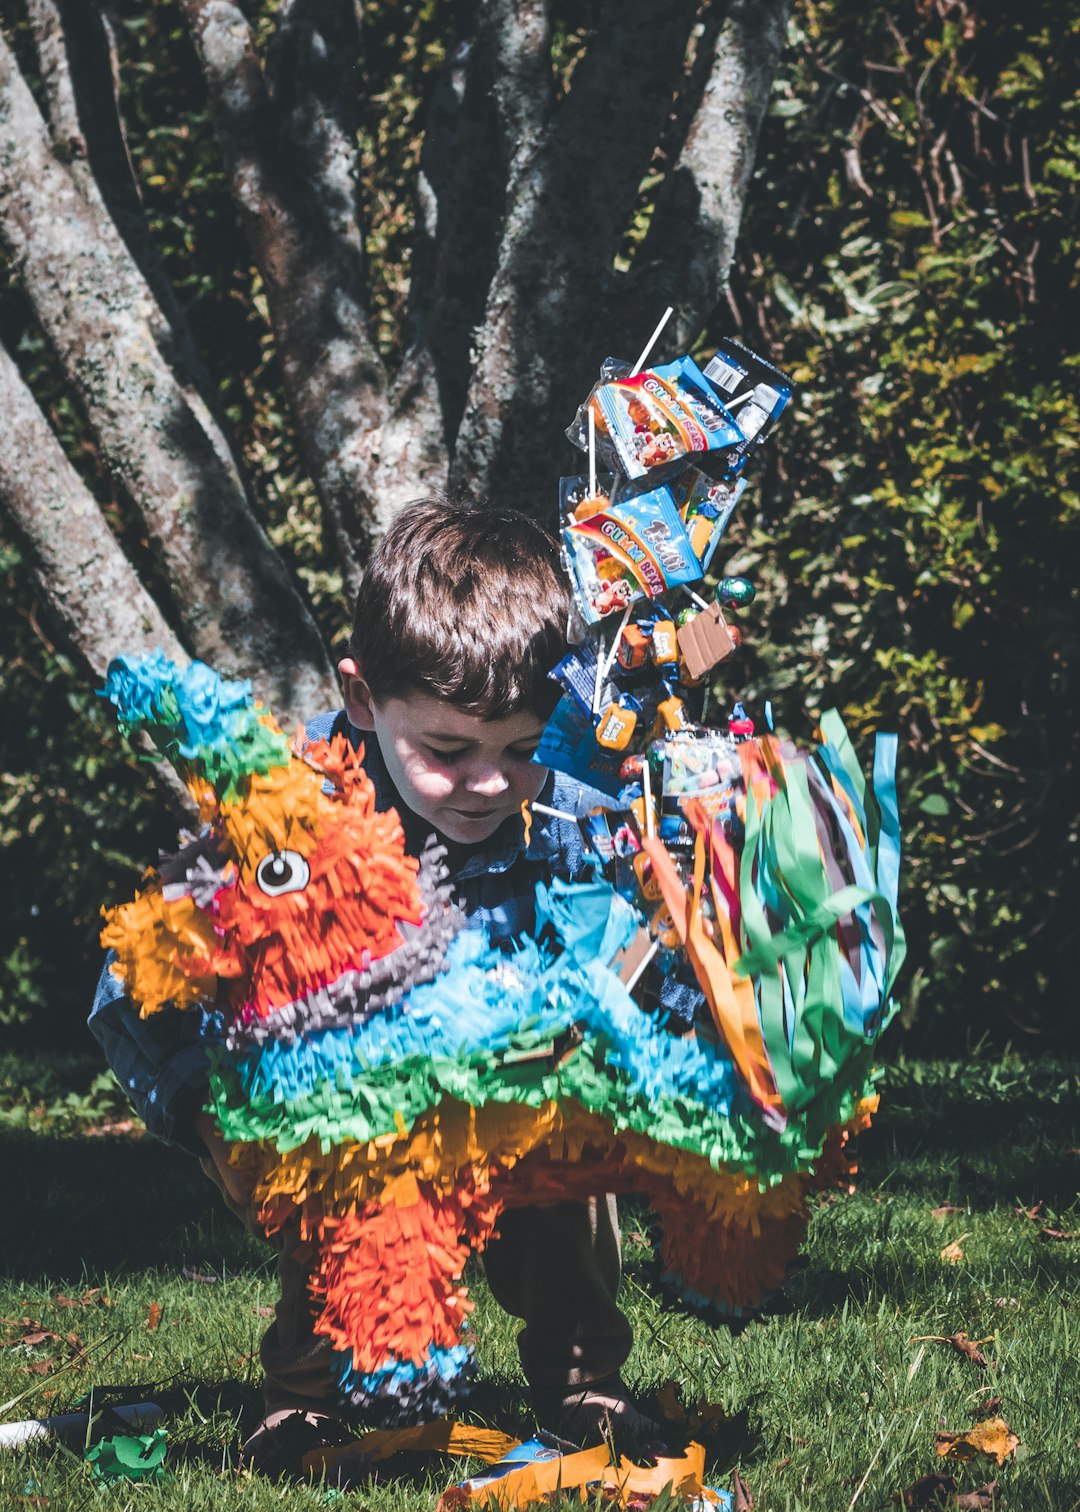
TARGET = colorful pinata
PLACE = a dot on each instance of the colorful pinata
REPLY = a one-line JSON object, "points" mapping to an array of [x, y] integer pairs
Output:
{"points": [[393, 1082]]}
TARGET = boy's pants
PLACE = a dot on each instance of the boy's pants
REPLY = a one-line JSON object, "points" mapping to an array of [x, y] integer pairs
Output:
{"points": [[556, 1267]]}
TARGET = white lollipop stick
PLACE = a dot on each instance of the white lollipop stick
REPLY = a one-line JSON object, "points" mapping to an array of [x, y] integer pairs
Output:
{"points": [[610, 659], [646, 787], [592, 452], [601, 673], [641, 965], [542, 808], [640, 363]]}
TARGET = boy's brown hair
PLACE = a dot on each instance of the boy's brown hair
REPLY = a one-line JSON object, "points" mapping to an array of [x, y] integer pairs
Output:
{"points": [[464, 602]]}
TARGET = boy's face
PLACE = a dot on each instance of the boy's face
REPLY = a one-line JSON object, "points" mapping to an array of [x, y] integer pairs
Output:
{"points": [[461, 773]]}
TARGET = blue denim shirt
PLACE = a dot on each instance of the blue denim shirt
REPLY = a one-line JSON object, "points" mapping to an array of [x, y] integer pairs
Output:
{"points": [[162, 1061]]}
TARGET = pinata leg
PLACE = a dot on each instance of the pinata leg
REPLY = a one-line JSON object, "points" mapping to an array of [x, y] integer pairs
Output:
{"points": [[393, 1303], [730, 1262]]}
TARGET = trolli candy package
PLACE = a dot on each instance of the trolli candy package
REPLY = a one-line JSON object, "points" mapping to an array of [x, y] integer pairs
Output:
{"points": [[638, 548], [650, 419], [755, 390], [706, 507]]}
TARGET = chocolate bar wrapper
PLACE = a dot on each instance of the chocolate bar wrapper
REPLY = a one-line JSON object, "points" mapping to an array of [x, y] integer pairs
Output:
{"points": [[757, 392]]}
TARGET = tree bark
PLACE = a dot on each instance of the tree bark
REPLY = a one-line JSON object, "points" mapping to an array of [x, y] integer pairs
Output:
{"points": [[237, 602], [88, 583], [79, 69], [302, 222], [691, 241], [574, 177]]}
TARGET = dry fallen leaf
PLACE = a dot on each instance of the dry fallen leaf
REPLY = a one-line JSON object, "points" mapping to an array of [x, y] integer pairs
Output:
{"points": [[153, 1316], [94, 1297], [1031, 1212], [39, 1367], [985, 1496], [945, 1209], [742, 1496], [988, 1408], [926, 1492], [953, 1252], [30, 1332], [263, 1312], [992, 1437], [969, 1348], [1053, 1233], [190, 1273]]}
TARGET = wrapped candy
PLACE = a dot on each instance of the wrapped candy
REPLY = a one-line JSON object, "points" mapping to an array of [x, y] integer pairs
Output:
{"points": [[635, 549], [650, 419]]}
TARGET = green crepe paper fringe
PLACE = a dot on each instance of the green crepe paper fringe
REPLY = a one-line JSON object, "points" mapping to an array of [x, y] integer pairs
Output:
{"points": [[385, 1096], [129, 1457]]}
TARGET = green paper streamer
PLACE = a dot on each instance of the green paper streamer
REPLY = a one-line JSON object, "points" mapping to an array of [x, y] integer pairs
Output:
{"points": [[128, 1457]]}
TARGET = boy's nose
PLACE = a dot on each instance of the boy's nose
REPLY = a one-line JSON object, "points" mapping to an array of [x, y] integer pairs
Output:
{"points": [[487, 782]]}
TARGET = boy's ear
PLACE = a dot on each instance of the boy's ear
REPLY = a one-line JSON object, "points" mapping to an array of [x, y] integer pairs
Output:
{"points": [[358, 702]]}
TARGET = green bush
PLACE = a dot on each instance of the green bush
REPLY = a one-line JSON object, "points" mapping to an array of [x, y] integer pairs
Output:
{"points": [[910, 254]]}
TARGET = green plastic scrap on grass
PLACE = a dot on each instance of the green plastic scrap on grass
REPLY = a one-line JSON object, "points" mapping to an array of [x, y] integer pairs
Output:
{"points": [[128, 1457]]}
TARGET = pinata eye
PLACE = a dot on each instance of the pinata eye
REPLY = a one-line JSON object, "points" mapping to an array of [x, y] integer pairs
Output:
{"points": [[282, 872]]}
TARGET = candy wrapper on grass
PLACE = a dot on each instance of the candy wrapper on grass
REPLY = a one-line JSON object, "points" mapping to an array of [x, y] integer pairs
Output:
{"points": [[129, 1457]]}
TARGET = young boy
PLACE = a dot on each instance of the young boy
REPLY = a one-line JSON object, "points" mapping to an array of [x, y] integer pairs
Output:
{"points": [[461, 615]]}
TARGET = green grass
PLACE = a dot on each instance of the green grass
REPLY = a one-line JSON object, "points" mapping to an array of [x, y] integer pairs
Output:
{"points": [[831, 1404]]}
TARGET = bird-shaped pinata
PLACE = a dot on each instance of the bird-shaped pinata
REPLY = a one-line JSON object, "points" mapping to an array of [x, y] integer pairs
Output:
{"points": [[392, 1081]]}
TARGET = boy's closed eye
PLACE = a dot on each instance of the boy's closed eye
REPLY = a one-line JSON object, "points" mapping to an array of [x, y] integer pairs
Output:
{"points": [[524, 752]]}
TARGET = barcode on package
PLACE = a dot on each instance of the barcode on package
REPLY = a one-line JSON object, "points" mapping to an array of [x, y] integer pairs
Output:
{"points": [[724, 375]]}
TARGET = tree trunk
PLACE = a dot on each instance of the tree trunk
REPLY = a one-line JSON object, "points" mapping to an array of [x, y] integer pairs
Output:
{"points": [[87, 581], [524, 194], [230, 587]]}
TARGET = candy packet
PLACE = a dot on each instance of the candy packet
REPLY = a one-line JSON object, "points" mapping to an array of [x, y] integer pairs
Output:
{"points": [[578, 500], [638, 548], [704, 766], [706, 507], [754, 389], [656, 417], [568, 745]]}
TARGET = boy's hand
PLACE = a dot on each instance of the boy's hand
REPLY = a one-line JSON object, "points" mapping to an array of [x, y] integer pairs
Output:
{"points": [[233, 1178]]}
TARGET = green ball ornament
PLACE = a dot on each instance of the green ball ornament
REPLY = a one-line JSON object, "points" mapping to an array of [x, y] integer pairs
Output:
{"points": [[739, 591], [685, 616]]}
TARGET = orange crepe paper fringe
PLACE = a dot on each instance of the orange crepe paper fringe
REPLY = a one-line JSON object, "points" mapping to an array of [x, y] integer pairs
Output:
{"points": [[271, 949], [387, 1276], [724, 1234]]}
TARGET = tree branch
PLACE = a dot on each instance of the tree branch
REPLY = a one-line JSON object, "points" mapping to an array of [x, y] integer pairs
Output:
{"points": [[89, 584], [235, 598], [313, 68], [688, 251], [312, 267], [574, 177], [459, 205], [77, 59]]}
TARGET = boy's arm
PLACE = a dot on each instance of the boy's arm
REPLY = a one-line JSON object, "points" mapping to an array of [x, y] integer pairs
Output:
{"points": [[162, 1062]]}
